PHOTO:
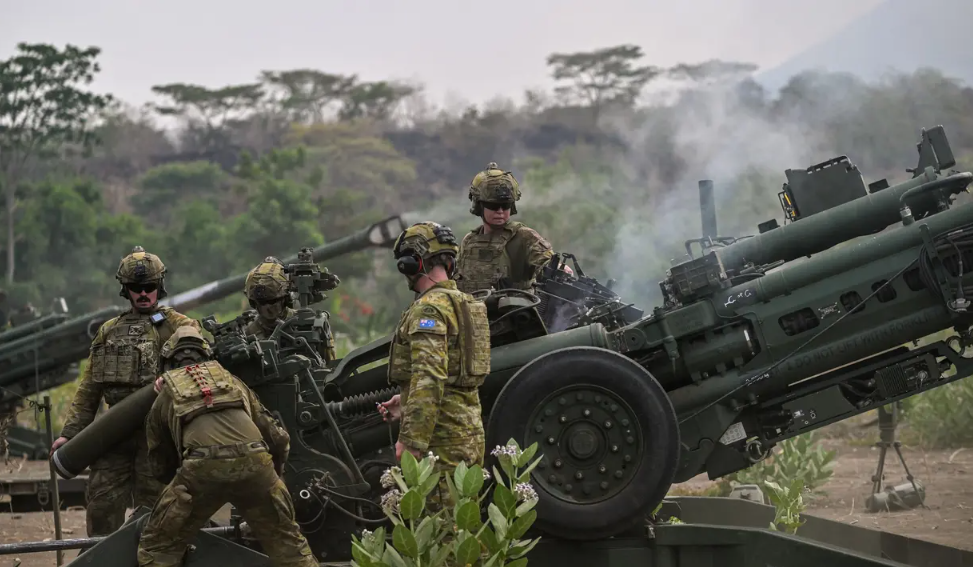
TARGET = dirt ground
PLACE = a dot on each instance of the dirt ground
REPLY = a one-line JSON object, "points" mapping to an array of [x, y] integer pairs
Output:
{"points": [[946, 475]]}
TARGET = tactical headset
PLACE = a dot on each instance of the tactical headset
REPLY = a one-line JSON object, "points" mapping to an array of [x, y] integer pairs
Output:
{"points": [[408, 262]]}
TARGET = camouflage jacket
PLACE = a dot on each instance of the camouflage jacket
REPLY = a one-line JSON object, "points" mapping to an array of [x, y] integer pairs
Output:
{"points": [[439, 356], [262, 331], [516, 255], [176, 405], [124, 356]]}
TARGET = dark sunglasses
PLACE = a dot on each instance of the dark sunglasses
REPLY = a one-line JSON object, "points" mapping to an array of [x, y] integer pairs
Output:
{"points": [[497, 206], [270, 301], [140, 288]]}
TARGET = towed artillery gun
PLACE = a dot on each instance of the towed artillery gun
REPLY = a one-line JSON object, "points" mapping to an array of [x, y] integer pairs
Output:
{"points": [[44, 353], [759, 339]]}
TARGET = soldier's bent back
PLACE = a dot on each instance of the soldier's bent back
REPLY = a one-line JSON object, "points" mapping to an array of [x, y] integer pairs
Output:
{"points": [[213, 442]]}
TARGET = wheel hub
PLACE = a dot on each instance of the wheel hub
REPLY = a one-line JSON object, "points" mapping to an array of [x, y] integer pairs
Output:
{"points": [[589, 442]]}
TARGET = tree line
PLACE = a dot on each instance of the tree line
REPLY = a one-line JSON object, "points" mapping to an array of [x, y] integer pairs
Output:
{"points": [[608, 162]]}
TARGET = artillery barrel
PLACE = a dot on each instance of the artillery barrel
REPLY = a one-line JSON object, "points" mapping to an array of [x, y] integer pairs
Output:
{"points": [[37, 325], [863, 334], [49, 349], [382, 233], [103, 433], [865, 215]]}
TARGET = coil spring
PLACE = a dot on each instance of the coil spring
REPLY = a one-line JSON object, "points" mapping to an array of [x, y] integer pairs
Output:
{"points": [[361, 403]]}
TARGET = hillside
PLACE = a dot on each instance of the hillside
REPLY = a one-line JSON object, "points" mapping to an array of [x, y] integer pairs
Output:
{"points": [[898, 35]]}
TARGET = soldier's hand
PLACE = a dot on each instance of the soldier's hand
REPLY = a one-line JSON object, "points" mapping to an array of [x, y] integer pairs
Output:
{"points": [[400, 448], [57, 443], [158, 385], [391, 410], [567, 269]]}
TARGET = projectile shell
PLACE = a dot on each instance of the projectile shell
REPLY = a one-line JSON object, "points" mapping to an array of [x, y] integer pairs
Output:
{"points": [[106, 431]]}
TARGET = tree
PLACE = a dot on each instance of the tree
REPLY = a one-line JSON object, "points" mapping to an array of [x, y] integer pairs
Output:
{"points": [[604, 76], [209, 112], [376, 100], [306, 94], [42, 109]]}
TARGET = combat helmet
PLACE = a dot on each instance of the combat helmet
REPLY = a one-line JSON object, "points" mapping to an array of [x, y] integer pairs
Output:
{"points": [[494, 185], [184, 341], [267, 282], [420, 242], [141, 267]]}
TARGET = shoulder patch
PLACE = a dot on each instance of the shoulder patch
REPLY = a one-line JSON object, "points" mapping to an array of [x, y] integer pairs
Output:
{"points": [[427, 324]]}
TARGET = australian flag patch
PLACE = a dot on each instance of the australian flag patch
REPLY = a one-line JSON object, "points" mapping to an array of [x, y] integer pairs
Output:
{"points": [[427, 324]]}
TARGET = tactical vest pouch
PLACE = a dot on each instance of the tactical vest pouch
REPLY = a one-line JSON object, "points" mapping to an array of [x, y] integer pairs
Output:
{"points": [[115, 363], [474, 341], [400, 356], [202, 388]]}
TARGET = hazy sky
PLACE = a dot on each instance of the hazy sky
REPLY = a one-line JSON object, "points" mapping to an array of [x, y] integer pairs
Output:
{"points": [[473, 52]]}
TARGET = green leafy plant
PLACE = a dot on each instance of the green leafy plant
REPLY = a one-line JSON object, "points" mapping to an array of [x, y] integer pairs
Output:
{"points": [[789, 503], [798, 459], [457, 534]]}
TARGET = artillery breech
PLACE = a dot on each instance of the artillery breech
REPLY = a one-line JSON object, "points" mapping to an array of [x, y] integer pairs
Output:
{"points": [[106, 431], [80, 543]]}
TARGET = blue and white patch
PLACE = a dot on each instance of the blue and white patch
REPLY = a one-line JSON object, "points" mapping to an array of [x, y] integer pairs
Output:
{"points": [[427, 324]]}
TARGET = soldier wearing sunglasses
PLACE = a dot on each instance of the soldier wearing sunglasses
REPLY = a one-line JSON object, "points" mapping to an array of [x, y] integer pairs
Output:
{"points": [[125, 355], [499, 253], [266, 289]]}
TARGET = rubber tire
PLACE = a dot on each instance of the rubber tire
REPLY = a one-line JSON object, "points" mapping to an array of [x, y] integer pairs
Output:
{"points": [[647, 399]]}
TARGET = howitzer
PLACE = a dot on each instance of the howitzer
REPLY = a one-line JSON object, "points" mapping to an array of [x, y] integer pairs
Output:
{"points": [[44, 353], [754, 344]]}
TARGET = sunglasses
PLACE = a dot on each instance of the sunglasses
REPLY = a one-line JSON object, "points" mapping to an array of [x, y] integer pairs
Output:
{"points": [[270, 301], [143, 288], [497, 206]]}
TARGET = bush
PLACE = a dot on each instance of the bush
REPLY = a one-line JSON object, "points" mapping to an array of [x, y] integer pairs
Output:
{"points": [[456, 535], [797, 459]]}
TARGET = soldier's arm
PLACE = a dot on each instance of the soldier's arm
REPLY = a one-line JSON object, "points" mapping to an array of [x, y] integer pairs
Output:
{"points": [[162, 454], [87, 398], [539, 251], [177, 320], [276, 437], [427, 334]]}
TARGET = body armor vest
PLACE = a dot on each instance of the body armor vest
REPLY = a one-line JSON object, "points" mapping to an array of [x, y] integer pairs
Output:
{"points": [[198, 389], [486, 258], [467, 342], [129, 356]]}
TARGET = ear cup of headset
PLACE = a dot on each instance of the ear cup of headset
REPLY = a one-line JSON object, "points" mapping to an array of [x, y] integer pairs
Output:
{"points": [[409, 265]]}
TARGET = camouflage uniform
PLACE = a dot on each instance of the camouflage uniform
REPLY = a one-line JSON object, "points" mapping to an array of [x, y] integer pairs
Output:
{"points": [[214, 442], [266, 284], [124, 356], [510, 258], [439, 356]]}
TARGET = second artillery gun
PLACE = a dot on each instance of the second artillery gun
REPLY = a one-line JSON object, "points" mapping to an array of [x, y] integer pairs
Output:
{"points": [[44, 353], [759, 339]]}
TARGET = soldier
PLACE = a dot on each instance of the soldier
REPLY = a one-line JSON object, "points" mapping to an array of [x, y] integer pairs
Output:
{"points": [[499, 253], [439, 356], [212, 441], [266, 289], [124, 357]]}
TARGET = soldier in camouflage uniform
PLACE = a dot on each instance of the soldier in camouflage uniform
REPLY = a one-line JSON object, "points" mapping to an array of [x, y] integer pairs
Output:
{"points": [[212, 441], [439, 356], [499, 253], [124, 357], [266, 289]]}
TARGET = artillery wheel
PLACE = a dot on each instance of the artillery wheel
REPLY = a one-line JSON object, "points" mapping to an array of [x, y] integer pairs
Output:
{"points": [[607, 432]]}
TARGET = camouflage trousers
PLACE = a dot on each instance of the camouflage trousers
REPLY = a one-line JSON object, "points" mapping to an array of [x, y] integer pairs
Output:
{"points": [[118, 480], [201, 487], [449, 456]]}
